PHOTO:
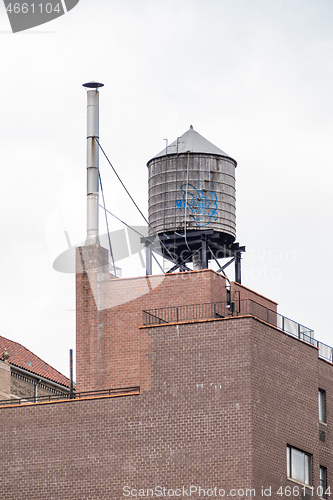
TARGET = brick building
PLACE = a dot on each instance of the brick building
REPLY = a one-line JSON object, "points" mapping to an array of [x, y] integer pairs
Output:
{"points": [[197, 388], [221, 398]]}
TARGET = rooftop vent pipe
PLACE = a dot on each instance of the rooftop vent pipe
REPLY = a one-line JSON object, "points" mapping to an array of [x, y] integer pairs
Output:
{"points": [[92, 161]]}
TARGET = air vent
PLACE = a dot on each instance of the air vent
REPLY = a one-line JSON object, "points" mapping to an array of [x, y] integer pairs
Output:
{"points": [[322, 436]]}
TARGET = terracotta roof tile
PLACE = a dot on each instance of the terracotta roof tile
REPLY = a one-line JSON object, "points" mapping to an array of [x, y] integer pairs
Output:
{"points": [[23, 358]]}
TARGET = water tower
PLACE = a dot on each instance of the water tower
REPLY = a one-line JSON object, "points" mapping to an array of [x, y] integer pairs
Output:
{"points": [[192, 204]]}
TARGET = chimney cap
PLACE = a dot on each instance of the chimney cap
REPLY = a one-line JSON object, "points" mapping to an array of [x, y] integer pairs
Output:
{"points": [[92, 85]]}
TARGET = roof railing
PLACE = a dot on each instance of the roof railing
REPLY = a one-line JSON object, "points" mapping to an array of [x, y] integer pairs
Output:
{"points": [[244, 307], [75, 395]]}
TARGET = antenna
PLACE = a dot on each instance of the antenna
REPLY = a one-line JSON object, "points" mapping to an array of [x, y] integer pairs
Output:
{"points": [[92, 161]]}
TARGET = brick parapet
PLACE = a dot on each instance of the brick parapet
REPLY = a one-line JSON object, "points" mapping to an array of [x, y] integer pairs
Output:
{"points": [[241, 292]]}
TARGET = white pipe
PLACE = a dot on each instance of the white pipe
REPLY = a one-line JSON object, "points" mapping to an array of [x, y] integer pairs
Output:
{"points": [[92, 167]]}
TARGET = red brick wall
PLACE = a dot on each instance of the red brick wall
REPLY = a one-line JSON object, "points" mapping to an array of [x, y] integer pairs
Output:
{"points": [[226, 397], [193, 427], [247, 301], [244, 293], [285, 404], [111, 350]]}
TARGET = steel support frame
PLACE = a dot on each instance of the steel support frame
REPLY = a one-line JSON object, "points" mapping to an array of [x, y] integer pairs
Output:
{"points": [[206, 245]]}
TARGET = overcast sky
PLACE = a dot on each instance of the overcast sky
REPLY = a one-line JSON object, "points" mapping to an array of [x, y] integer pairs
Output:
{"points": [[254, 77]]}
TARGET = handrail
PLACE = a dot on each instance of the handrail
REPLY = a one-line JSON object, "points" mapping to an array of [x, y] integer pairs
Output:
{"points": [[217, 310], [75, 395]]}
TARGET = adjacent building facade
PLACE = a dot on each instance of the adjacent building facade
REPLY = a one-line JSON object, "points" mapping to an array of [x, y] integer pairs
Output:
{"points": [[23, 375]]}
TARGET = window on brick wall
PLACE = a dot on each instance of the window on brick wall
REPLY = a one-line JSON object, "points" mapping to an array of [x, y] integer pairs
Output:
{"points": [[298, 465], [323, 482], [322, 405]]}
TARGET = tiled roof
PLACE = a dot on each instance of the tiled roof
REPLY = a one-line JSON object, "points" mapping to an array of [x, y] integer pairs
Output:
{"points": [[23, 358]]}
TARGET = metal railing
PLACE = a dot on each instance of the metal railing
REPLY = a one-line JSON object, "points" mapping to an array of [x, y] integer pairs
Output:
{"points": [[75, 395], [215, 310]]}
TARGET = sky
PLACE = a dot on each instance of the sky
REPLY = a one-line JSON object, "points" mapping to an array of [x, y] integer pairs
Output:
{"points": [[254, 77]]}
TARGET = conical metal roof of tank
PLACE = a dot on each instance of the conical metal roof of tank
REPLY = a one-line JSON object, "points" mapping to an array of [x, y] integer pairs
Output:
{"points": [[191, 141]]}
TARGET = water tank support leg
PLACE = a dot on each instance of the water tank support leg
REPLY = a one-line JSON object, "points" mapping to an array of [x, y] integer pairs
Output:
{"points": [[149, 260], [238, 267], [204, 253]]}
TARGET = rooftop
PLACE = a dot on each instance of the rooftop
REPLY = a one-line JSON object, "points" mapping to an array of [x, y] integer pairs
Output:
{"points": [[23, 358]]}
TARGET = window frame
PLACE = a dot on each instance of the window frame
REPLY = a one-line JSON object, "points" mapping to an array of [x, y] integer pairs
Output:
{"points": [[322, 405], [323, 480], [292, 453]]}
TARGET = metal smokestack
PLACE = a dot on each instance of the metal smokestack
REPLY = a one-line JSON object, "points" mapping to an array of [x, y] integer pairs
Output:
{"points": [[92, 161]]}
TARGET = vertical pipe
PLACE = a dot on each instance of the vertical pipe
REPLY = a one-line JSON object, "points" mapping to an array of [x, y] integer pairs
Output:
{"points": [[92, 162], [197, 261], [92, 167], [149, 260], [36, 391], [204, 254]]}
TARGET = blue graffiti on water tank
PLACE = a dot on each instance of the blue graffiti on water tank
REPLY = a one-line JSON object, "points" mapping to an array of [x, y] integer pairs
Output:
{"points": [[199, 203]]}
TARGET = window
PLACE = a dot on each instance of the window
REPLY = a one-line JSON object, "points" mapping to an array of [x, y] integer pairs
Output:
{"points": [[298, 465], [321, 405], [323, 481]]}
